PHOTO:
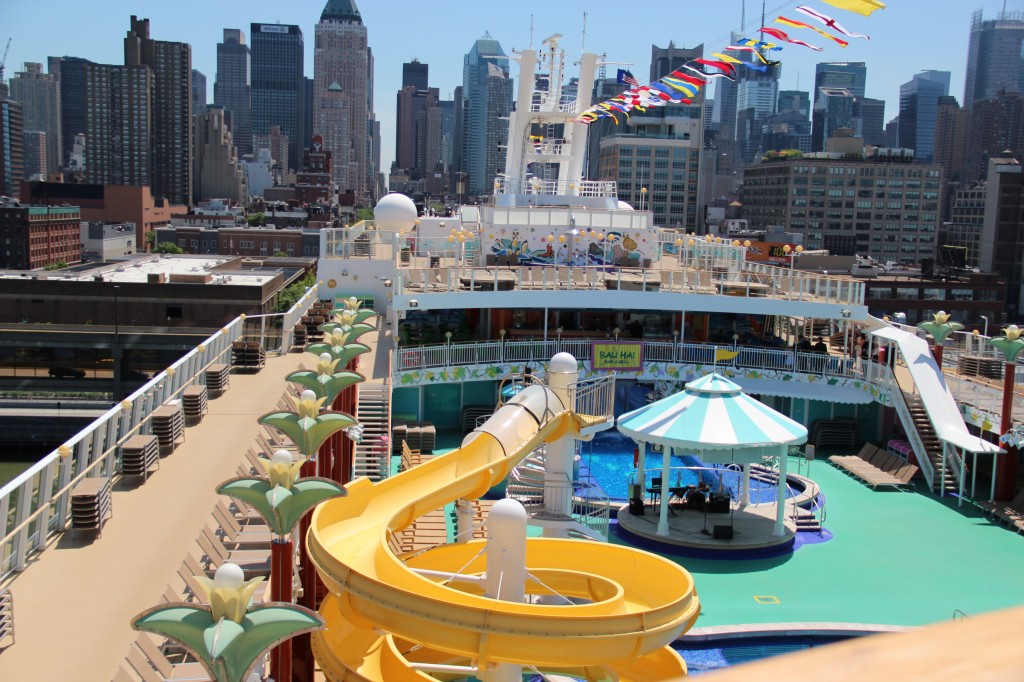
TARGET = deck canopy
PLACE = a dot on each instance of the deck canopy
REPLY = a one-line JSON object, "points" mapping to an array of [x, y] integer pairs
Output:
{"points": [[714, 417]]}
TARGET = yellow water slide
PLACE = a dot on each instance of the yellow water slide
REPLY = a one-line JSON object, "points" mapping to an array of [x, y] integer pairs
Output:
{"points": [[594, 611]]}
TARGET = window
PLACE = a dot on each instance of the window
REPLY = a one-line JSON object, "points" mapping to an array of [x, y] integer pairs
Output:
{"points": [[173, 312]]}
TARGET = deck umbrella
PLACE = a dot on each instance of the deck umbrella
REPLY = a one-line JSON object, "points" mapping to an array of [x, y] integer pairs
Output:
{"points": [[713, 418]]}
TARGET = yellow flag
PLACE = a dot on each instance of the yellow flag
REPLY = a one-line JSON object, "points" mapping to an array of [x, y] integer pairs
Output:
{"points": [[722, 354], [865, 7]]}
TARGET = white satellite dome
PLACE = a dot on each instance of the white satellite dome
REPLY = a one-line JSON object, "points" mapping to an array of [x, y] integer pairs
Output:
{"points": [[623, 206], [395, 213]]}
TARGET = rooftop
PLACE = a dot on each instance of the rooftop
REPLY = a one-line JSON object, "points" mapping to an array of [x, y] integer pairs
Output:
{"points": [[138, 270]]}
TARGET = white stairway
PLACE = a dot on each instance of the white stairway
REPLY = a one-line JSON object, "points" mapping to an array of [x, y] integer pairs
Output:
{"points": [[372, 454]]}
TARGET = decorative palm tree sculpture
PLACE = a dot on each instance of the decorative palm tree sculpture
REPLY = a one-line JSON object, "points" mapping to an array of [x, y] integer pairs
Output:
{"points": [[225, 634], [307, 427], [940, 328], [281, 499], [326, 382], [1010, 345]]}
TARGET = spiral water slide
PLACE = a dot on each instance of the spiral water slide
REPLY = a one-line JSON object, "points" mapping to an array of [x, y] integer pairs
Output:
{"points": [[594, 611]]}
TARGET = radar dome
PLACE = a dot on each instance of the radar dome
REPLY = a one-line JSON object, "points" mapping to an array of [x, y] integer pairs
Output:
{"points": [[395, 213], [623, 206]]}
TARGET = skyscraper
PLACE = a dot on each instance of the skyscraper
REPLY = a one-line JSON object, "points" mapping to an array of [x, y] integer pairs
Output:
{"points": [[869, 117], [487, 89], [833, 109], [756, 98], [413, 124], [414, 74], [171, 65], [39, 96], [218, 173], [995, 57], [118, 124], [232, 87], [70, 73], [12, 147], [277, 82], [995, 129], [795, 100], [198, 91], [919, 104], [850, 75], [341, 96]]}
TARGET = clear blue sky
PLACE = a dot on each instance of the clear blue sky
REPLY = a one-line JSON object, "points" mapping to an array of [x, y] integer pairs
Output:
{"points": [[907, 37]]}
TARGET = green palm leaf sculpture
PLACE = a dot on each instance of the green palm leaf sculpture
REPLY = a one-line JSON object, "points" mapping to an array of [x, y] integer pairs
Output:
{"points": [[307, 427], [341, 352], [349, 333], [941, 327], [1010, 344], [282, 498], [225, 634], [325, 382]]}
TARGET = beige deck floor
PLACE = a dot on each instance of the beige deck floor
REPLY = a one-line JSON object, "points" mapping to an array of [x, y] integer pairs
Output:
{"points": [[74, 603]]}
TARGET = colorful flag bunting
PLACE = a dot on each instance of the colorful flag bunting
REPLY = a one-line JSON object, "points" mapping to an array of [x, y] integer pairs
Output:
{"points": [[781, 35], [708, 75], [828, 21], [785, 21]]}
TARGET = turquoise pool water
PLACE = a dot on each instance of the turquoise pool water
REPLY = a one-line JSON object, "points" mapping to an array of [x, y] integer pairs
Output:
{"points": [[607, 461]]}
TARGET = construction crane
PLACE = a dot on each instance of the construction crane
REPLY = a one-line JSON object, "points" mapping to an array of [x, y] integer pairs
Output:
{"points": [[3, 60]]}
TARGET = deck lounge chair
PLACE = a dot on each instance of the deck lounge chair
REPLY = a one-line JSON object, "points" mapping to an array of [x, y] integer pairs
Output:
{"points": [[146, 659], [253, 562]]}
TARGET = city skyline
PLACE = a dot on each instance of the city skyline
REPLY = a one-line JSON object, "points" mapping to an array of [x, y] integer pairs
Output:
{"points": [[401, 31]]}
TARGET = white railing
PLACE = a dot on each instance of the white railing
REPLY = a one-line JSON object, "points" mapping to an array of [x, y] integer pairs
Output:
{"points": [[36, 504], [594, 398], [286, 337], [493, 352]]}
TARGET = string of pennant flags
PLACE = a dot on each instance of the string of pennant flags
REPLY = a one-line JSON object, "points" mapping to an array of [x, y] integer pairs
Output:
{"points": [[683, 84]]}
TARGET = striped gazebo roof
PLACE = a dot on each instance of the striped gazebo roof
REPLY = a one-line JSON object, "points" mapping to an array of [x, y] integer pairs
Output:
{"points": [[712, 413]]}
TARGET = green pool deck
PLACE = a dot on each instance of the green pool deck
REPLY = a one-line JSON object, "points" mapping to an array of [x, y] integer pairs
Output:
{"points": [[895, 558]]}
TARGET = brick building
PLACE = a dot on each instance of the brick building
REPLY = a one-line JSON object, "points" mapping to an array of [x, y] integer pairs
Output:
{"points": [[36, 236], [106, 204]]}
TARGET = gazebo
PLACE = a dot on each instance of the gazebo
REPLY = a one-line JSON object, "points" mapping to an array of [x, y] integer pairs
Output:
{"points": [[713, 418]]}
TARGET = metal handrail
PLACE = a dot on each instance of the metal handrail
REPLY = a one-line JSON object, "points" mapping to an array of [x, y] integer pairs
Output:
{"points": [[899, 402], [36, 504]]}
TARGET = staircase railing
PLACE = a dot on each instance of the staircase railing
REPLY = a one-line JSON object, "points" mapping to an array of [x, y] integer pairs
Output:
{"points": [[899, 402], [951, 458], [594, 398]]}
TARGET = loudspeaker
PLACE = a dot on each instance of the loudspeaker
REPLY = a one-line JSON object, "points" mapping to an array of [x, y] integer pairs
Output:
{"points": [[722, 533], [636, 507], [719, 504]]}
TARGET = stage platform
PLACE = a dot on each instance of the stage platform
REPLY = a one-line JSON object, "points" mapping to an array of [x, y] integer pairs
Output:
{"points": [[751, 527]]}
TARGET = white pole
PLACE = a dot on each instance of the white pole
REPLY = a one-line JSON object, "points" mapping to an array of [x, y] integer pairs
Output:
{"points": [[563, 372], [780, 496], [506, 569], [666, 465], [463, 520], [745, 487]]}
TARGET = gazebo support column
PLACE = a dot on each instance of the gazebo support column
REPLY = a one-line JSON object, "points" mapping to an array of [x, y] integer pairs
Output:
{"points": [[641, 469], [666, 466], [745, 487], [780, 496]]}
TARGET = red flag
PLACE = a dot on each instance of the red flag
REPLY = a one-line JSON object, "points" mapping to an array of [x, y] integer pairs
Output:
{"points": [[781, 35]]}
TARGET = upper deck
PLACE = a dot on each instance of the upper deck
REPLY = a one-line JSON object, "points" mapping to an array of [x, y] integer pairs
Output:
{"points": [[461, 268]]}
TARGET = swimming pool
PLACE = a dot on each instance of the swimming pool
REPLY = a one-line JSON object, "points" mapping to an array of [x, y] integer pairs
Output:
{"points": [[707, 656], [607, 461]]}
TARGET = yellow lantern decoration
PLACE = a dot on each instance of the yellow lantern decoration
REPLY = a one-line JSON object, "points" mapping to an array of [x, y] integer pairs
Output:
{"points": [[561, 239]]}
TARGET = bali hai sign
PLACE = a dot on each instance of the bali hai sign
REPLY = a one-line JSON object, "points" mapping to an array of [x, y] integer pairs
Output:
{"points": [[618, 355]]}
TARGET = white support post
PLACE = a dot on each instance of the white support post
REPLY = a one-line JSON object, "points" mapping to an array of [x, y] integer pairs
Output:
{"points": [[780, 497], [463, 520], [506, 569], [563, 372], [666, 465], [745, 487]]}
